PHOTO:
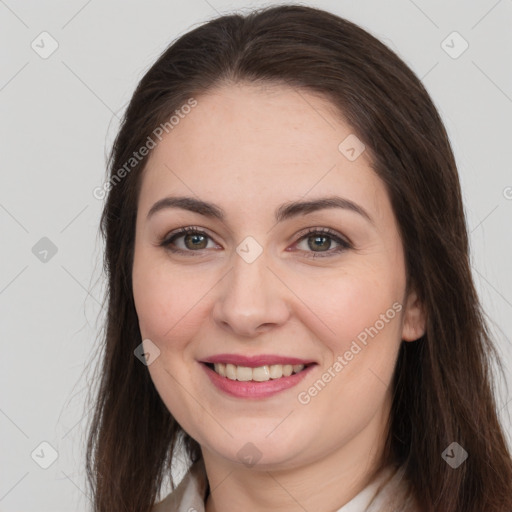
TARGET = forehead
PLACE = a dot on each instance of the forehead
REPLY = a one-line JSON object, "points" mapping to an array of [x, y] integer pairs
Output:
{"points": [[259, 144]]}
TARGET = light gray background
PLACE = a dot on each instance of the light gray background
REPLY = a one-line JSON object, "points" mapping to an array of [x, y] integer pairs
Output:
{"points": [[58, 118]]}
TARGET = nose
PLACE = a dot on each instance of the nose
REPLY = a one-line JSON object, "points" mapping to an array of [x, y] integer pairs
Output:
{"points": [[251, 298]]}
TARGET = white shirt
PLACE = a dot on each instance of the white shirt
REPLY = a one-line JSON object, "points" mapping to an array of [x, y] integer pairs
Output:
{"points": [[388, 492]]}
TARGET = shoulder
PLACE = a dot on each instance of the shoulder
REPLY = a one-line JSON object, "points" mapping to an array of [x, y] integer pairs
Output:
{"points": [[189, 494]]}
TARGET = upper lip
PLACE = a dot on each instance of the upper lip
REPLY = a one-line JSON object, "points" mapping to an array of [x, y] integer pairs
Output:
{"points": [[254, 361]]}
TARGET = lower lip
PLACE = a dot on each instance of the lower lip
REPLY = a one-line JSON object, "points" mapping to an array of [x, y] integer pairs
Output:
{"points": [[252, 389]]}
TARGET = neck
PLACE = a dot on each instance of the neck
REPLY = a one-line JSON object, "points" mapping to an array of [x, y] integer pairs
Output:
{"points": [[326, 483]]}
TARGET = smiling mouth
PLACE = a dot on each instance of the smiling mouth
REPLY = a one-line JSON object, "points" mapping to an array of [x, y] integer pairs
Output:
{"points": [[258, 374]]}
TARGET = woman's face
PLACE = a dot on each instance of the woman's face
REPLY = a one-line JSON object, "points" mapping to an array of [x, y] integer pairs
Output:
{"points": [[255, 283]]}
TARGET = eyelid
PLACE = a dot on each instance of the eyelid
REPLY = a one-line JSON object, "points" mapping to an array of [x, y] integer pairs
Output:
{"points": [[324, 230]]}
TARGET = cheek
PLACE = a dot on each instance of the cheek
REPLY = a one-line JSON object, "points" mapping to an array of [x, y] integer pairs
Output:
{"points": [[162, 301], [167, 305], [172, 303], [352, 305], [363, 313], [367, 324]]}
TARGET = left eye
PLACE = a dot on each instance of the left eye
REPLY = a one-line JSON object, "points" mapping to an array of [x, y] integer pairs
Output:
{"points": [[195, 240], [322, 239]]}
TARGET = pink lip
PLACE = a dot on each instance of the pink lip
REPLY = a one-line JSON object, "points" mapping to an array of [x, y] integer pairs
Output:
{"points": [[254, 361], [252, 389]]}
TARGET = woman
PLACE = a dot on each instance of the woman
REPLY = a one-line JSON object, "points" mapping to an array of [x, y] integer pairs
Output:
{"points": [[290, 296]]}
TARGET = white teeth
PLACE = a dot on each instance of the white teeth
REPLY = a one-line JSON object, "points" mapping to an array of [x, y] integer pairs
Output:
{"points": [[259, 374], [243, 373], [276, 371], [230, 371]]}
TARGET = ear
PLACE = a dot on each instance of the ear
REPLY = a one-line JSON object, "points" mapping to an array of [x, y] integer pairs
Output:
{"points": [[414, 319]]}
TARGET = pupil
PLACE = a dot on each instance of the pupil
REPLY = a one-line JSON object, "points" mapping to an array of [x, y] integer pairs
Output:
{"points": [[194, 237], [325, 245]]}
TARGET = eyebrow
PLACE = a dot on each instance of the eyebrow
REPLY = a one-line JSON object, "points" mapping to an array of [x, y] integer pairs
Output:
{"points": [[284, 212]]}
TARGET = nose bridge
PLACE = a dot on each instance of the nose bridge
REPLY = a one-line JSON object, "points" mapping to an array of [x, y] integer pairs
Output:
{"points": [[251, 296], [248, 280]]}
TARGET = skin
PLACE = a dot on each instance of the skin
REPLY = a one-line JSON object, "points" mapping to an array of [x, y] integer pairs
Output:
{"points": [[249, 149]]}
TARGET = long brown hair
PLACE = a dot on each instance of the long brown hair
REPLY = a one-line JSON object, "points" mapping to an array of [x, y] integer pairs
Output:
{"points": [[443, 384]]}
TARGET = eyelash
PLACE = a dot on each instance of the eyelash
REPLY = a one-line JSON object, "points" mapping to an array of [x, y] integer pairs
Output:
{"points": [[343, 244]]}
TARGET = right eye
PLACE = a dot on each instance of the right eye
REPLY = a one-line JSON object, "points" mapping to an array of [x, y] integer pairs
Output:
{"points": [[194, 240]]}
